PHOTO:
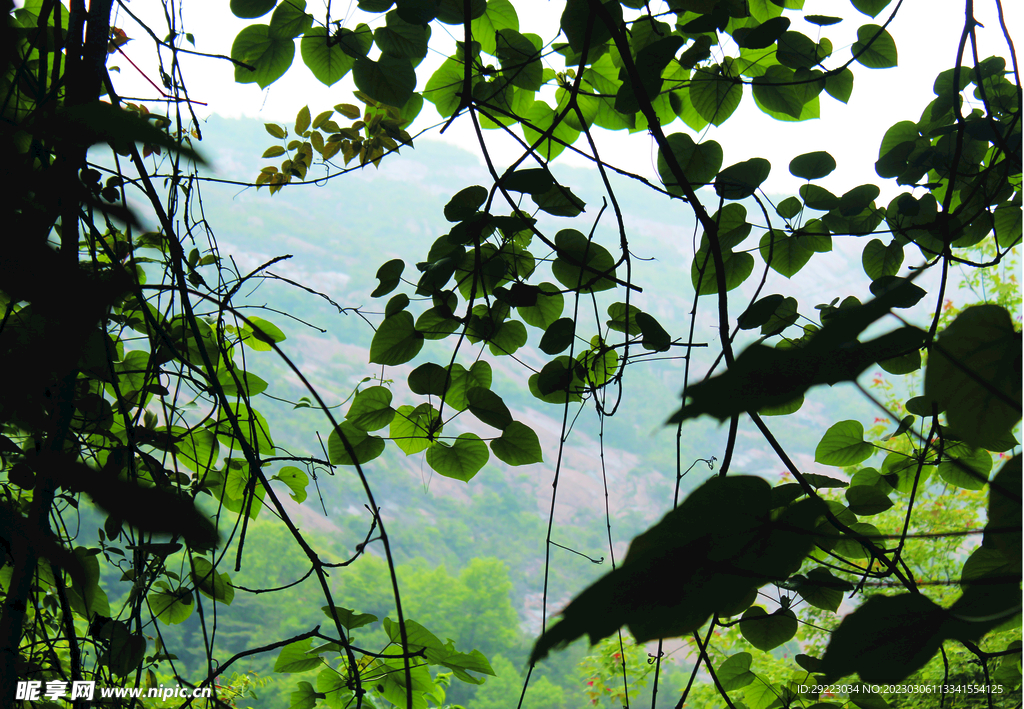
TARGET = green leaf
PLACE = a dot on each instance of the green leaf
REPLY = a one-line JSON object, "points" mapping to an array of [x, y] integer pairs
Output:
{"points": [[582, 264], [1007, 224], [699, 162], [465, 203], [389, 275], [478, 375], [618, 313], [558, 336], [305, 696], [735, 672], [575, 18], [531, 181], [974, 373], [822, 590], [785, 253], [271, 56], [517, 445], [741, 180], [798, 51], [520, 60], [414, 430], [654, 336], [429, 379], [765, 34], [396, 340], [843, 444], [499, 15], [390, 80], [812, 166], [547, 309], [293, 657], [349, 618], [488, 407], [881, 260], [760, 312], [290, 20], [867, 501], [550, 142], [968, 469], [444, 87], [328, 61], [559, 201], [238, 383], [402, 39], [295, 479], [840, 86], [249, 9], [213, 585], [715, 97], [818, 198], [871, 7], [738, 267], [86, 596], [461, 460], [364, 446], [779, 94], [371, 410], [875, 47], [767, 632], [170, 606]]}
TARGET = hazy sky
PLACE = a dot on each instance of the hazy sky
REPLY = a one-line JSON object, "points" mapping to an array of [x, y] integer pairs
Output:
{"points": [[926, 34]]}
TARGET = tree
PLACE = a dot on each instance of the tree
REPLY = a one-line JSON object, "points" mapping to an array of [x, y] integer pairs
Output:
{"points": [[137, 392]]}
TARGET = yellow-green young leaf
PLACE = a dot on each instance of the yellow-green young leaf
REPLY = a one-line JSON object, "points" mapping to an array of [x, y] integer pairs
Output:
{"points": [[302, 120], [275, 130], [273, 151], [295, 479], [415, 429], [461, 460], [517, 445], [213, 585]]}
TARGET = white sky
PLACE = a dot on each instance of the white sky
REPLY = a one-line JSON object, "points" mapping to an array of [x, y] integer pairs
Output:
{"points": [[926, 33]]}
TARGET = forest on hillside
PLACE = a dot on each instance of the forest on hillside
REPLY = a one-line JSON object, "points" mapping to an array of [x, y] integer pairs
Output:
{"points": [[324, 413]]}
